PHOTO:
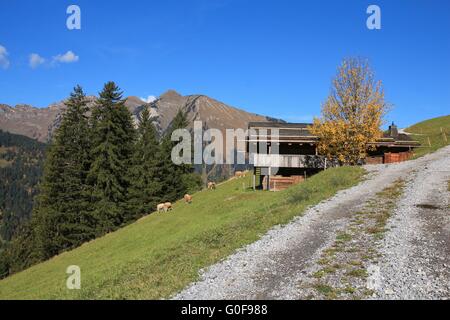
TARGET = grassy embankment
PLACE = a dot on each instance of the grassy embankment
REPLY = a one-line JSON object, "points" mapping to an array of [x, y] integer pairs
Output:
{"points": [[161, 253], [433, 134]]}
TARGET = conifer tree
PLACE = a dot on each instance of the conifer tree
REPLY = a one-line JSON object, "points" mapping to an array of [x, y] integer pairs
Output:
{"points": [[176, 178], [61, 216], [113, 136], [146, 188], [21, 252]]}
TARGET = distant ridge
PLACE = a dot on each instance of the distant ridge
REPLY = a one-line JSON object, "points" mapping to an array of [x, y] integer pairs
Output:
{"points": [[39, 123]]}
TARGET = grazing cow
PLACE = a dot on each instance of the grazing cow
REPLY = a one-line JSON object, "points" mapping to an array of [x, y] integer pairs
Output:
{"points": [[168, 206], [187, 198], [239, 174], [164, 207], [161, 207], [211, 186]]}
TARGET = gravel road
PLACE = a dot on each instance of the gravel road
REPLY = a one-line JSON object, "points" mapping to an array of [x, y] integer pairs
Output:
{"points": [[415, 260], [414, 254]]}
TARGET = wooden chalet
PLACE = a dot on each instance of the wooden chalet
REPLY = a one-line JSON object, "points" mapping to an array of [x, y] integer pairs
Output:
{"points": [[283, 154]]}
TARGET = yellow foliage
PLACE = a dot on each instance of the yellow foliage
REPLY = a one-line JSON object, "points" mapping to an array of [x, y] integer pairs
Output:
{"points": [[352, 115]]}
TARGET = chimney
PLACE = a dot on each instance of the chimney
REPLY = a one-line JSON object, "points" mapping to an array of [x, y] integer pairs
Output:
{"points": [[393, 131]]}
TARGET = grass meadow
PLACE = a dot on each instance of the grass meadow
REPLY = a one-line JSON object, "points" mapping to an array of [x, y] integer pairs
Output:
{"points": [[161, 253]]}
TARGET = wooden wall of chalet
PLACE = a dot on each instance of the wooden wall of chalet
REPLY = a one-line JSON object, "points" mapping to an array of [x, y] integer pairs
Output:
{"points": [[390, 157]]}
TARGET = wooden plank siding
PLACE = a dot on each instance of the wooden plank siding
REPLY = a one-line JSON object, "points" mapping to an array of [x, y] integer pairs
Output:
{"points": [[288, 161]]}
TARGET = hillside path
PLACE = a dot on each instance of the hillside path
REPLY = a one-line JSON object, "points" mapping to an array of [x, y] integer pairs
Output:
{"points": [[415, 252]]}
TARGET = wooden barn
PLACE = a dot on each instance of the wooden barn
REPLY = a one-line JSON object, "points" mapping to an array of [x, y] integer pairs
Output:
{"points": [[283, 154]]}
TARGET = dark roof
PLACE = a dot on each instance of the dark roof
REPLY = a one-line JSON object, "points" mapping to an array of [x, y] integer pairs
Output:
{"points": [[287, 132], [399, 137], [279, 125]]}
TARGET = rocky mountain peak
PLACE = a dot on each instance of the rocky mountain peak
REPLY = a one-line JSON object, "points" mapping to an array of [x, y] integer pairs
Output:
{"points": [[171, 94], [39, 123]]}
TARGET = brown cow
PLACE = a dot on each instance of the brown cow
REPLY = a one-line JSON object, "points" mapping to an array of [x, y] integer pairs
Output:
{"points": [[164, 207], [187, 198], [211, 186], [239, 174], [168, 206]]}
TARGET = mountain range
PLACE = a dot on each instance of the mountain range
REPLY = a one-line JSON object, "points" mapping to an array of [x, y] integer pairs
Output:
{"points": [[40, 123]]}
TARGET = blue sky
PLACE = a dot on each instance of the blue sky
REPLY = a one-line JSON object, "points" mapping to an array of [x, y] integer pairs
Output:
{"points": [[270, 57]]}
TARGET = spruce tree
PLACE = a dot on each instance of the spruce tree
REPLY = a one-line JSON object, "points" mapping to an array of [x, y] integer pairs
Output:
{"points": [[21, 251], [61, 217], [176, 178], [113, 136], [146, 189]]}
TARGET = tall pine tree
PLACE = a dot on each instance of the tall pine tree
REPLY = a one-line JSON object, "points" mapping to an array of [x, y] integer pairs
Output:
{"points": [[62, 216], [146, 188], [113, 137], [177, 179]]}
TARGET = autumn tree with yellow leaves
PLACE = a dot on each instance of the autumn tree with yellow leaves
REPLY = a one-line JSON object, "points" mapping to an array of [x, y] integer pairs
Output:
{"points": [[352, 115]]}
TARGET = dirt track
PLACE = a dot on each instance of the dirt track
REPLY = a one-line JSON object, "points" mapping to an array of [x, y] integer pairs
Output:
{"points": [[411, 260]]}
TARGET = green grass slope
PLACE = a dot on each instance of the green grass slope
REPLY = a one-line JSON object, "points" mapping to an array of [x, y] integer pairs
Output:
{"points": [[163, 252], [433, 134]]}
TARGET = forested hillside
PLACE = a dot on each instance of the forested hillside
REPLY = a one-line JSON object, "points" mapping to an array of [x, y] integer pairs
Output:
{"points": [[100, 173], [21, 161]]}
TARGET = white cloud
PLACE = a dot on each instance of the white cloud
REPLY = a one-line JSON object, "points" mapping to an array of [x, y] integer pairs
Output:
{"points": [[4, 62], [35, 60], [149, 99], [68, 57]]}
